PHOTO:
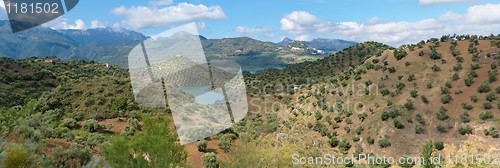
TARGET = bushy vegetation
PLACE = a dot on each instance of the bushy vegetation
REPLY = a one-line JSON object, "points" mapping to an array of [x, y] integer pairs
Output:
{"points": [[485, 115], [123, 150], [439, 145], [384, 143], [210, 160], [75, 107], [400, 54], [441, 114], [201, 145], [465, 130]]}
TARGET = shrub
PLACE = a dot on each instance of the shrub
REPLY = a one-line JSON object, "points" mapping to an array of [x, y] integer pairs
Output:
{"points": [[419, 129], [359, 130], [491, 97], [358, 151], [457, 67], [347, 129], [210, 160], [487, 105], [434, 54], [337, 119], [201, 145], [467, 106], [492, 76], [385, 92], [439, 145], [474, 66], [485, 115], [455, 77], [398, 124], [385, 115], [435, 68], [224, 144], [355, 139], [465, 130], [384, 143], [429, 85], [441, 128], [389, 103], [333, 141], [362, 116], [484, 88], [420, 119], [93, 126], [409, 104], [400, 54], [424, 99], [414, 93], [318, 115], [441, 114], [344, 146], [16, 156], [165, 151], [448, 84], [445, 99], [411, 78], [445, 90], [465, 117], [421, 53], [71, 123], [394, 113], [474, 99], [370, 140], [492, 131], [391, 69], [427, 155], [468, 81]]}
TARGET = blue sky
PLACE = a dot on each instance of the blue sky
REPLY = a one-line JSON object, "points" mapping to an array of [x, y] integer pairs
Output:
{"points": [[393, 22]]}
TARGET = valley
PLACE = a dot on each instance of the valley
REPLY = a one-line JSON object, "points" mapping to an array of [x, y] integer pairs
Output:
{"points": [[440, 96]]}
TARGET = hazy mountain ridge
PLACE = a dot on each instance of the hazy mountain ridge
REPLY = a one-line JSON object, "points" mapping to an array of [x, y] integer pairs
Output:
{"points": [[322, 43], [113, 46], [103, 45]]}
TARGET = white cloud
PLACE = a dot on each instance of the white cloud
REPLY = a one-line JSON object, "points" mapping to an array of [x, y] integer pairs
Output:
{"points": [[94, 24], [303, 38], [375, 20], [300, 22], [201, 25], [139, 17], [2, 5], [62, 23], [479, 20], [252, 31], [270, 35], [432, 2], [161, 2], [489, 13]]}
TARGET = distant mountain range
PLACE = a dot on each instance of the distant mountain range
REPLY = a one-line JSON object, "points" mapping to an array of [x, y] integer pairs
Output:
{"points": [[113, 45], [323, 44], [104, 45]]}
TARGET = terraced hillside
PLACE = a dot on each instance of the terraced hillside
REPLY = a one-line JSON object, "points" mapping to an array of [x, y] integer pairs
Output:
{"points": [[396, 101]]}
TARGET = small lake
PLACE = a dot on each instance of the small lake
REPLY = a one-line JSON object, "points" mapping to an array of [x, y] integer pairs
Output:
{"points": [[255, 69], [204, 94]]}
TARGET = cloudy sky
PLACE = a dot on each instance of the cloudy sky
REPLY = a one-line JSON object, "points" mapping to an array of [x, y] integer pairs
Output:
{"points": [[392, 22]]}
